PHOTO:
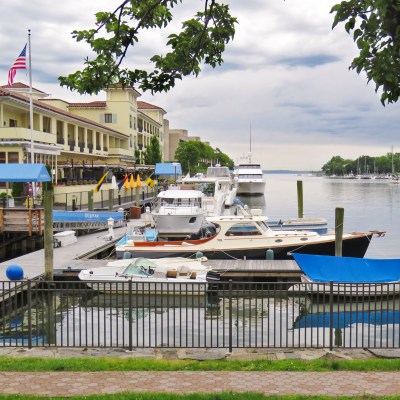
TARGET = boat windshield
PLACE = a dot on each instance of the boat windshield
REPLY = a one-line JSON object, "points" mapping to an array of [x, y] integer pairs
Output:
{"points": [[243, 229], [140, 266]]}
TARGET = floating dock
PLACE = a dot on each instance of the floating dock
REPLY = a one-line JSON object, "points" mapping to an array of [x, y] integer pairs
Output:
{"points": [[70, 259]]}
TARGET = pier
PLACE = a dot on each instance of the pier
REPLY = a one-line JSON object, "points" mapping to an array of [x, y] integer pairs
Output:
{"points": [[94, 249]]}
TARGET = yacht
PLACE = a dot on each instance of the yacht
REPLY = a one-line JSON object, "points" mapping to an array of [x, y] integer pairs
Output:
{"points": [[216, 180], [250, 179]]}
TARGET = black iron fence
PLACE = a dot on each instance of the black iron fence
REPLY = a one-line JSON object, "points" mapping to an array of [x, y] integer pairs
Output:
{"points": [[198, 315]]}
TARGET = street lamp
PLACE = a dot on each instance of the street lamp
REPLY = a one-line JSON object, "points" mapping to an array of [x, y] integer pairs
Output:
{"points": [[175, 164]]}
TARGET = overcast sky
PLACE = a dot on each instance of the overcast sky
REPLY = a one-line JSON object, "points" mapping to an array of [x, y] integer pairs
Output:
{"points": [[285, 79]]}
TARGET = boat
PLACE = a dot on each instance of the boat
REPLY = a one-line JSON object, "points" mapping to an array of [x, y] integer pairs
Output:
{"points": [[319, 225], [172, 276], [179, 212], [250, 178], [249, 237], [347, 277], [216, 180]]}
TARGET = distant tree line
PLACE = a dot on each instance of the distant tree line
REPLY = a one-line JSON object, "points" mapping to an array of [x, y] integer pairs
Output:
{"points": [[363, 165]]}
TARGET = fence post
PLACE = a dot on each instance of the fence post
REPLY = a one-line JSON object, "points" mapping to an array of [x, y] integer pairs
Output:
{"points": [[230, 315], [330, 315], [130, 317], [29, 315]]}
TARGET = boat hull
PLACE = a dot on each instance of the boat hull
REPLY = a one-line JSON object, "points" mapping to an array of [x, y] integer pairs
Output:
{"points": [[251, 188], [171, 288], [355, 246]]}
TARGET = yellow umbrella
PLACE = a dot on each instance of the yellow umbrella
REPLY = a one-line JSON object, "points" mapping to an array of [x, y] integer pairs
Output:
{"points": [[138, 182], [132, 182]]}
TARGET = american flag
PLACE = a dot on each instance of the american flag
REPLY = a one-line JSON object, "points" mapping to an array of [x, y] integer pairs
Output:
{"points": [[20, 63]]}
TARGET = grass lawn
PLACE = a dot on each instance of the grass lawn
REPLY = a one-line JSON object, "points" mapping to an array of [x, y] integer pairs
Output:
{"points": [[131, 364]]}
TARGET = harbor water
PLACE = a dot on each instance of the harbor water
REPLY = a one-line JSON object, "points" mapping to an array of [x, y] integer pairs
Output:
{"points": [[369, 204], [269, 318]]}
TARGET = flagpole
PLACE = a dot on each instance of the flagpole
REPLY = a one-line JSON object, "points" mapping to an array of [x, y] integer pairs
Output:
{"points": [[30, 97]]}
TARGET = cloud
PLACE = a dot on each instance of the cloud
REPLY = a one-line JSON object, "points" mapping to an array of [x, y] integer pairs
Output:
{"points": [[285, 74]]}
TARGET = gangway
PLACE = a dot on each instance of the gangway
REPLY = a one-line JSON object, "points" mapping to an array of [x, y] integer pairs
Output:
{"points": [[87, 220]]}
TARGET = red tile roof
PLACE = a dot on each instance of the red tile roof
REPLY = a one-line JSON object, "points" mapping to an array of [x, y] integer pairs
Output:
{"points": [[142, 105], [19, 85], [92, 104]]}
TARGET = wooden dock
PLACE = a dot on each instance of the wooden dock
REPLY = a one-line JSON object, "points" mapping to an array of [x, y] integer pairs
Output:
{"points": [[69, 260]]}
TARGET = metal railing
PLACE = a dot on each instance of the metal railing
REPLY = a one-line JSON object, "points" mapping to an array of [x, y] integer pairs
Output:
{"points": [[218, 315]]}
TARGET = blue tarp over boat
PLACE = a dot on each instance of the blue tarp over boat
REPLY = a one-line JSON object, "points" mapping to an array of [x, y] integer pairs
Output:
{"points": [[348, 269]]}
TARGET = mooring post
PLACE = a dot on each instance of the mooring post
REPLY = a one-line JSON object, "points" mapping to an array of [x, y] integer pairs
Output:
{"points": [[48, 233], [90, 201], [339, 218], [300, 199]]}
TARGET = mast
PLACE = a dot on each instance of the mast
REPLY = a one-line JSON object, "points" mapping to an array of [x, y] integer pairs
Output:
{"points": [[250, 146], [30, 97]]}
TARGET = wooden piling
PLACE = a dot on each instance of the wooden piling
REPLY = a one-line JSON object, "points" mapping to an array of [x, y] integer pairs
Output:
{"points": [[339, 218], [48, 234], [300, 199]]}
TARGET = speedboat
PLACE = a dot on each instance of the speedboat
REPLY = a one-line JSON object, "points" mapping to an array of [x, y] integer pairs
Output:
{"points": [[172, 276], [249, 237], [347, 277]]}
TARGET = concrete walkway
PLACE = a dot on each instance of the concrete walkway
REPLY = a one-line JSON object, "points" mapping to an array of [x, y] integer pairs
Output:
{"points": [[336, 383]]}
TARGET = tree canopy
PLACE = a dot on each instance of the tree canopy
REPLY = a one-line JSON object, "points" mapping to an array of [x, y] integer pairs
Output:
{"points": [[196, 156], [201, 40], [152, 154], [375, 26]]}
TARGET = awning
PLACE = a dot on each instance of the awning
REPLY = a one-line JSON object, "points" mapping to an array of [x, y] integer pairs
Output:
{"points": [[24, 173], [168, 169]]}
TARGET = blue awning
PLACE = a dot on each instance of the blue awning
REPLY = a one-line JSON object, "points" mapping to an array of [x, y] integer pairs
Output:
{"points": [[168, 169], [24, 173]]}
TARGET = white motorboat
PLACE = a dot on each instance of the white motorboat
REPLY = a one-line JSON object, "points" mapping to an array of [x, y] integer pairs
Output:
{"points": [[249, 237], [216, 180], [250, 178], [179, 212], [172, 276]]}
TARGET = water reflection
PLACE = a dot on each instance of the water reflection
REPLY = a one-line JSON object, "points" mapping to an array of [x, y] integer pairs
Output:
{"points": [[86, 318]]}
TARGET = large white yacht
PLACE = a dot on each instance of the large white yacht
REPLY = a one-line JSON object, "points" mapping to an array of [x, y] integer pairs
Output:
{"points": [[216, 180], [250, 178]]}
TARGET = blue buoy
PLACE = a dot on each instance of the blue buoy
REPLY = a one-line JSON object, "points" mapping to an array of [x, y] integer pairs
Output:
{"points": [[127, 255], [199, 254], [14, 272]]}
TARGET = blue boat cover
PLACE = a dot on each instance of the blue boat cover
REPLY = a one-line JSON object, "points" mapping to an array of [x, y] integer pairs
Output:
{"points": [[24, 173], [348, 269], [168, 169]]}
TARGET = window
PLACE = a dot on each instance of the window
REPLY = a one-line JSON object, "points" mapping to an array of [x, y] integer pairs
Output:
{"points": [[13, 157], [13, 123], [243, 229], [108, 119]]}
